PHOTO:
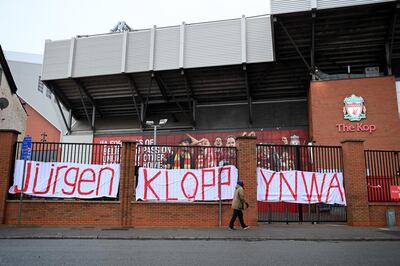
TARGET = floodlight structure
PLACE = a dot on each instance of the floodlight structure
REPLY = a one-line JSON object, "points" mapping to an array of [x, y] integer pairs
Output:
{"points": [[161, 123]]}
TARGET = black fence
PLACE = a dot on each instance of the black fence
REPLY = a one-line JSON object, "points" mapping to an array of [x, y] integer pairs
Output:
{"points": [[184, 157], [383, 175], [321, 159], [83, 153]]}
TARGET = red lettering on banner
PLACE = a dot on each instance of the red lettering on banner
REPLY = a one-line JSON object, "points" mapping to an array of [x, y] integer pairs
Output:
{"points": [[203, 183], [56, 177], [167, 188], [183, 187], [226, 183], [111, 180], [147, 184], [81, 180], [282, 177], [313, 184], [48, 182], [73, 185], [334, 177], [267, 182], [27, 178]]}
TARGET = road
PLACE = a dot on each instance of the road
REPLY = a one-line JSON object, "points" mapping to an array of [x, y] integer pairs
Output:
{"points": [[175, 252]]}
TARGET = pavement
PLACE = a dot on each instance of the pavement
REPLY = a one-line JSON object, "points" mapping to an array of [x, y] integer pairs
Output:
{"points": [[263, 232]]}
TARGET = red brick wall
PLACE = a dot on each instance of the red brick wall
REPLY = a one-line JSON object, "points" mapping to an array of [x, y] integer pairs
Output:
{"points": [[355, 183], [326, 104], [179, 214], [377, 214], [7, 142], [36, 124], [75, 213]]}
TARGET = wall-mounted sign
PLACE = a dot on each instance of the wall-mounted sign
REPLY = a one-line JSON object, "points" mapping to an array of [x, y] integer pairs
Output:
{"points": [[354, 108]]}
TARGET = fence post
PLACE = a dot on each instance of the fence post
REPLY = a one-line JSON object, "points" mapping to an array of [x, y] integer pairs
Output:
{"points": [[355, 182], [247, 166], [127, 180], [8, 138]]}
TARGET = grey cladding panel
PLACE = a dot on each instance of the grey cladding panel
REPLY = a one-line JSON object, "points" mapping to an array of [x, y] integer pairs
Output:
{"points": [[289, 6], [138, 51], [166, 54], [97, 55], [259, 40], [325, 4], [212, 44], [55, 60]]}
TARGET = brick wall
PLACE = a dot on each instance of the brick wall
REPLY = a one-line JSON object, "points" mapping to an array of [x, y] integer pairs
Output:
{"points": [[326, 111], [127, 212], [7, 146]]}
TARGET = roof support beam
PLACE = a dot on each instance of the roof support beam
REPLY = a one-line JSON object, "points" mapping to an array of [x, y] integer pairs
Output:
{"points": [[94, 118], [313, 19], [248, 95], [60, 96], [189, 95], [84, 107], [84, 90], [294, 44], [133, 87], [161, 86], [167, 90], [390, 37], [143, 115], [62, 114]]}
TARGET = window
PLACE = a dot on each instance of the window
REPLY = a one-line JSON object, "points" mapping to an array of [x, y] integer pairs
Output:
{"points": [[48, 93], [40, 84]]}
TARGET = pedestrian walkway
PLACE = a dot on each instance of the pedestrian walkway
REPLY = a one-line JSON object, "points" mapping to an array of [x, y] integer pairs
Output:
{"points": [[300, 232]]}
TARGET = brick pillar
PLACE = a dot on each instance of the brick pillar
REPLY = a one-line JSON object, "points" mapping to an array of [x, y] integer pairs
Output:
{"points": [[127, 180], [355, 182], [247, 165], [8, 138]]}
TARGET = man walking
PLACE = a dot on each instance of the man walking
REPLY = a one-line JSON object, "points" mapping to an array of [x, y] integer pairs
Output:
{"points": [[238, 205]]}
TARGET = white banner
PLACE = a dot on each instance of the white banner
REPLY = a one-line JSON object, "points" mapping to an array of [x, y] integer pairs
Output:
{"points": [[66, 180], [300, 187], [186, 185]]}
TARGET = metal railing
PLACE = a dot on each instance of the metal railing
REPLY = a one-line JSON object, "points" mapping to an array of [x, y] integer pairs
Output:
{"points": [[184, 157], [382, 173], [321, 159]]}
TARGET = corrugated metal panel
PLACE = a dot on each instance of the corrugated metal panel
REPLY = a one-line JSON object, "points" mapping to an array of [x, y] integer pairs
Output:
{"points": [[289, 6], [212, 44], [166, 55], [325, 4], [55, 60], [138, 51], [259, 40], [97, 55]]}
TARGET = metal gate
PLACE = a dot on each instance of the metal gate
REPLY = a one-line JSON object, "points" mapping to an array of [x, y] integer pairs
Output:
{"points": [[322, 159]]}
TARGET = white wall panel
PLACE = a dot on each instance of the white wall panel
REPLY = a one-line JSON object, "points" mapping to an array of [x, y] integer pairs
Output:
{"points": [[325, 4], [138, 51], [259, 40], [55, 59], [289, 6], [166, 55], [212, 44], [97, 55]]}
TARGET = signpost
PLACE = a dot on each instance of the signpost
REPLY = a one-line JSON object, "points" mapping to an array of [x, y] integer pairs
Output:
{"points": [[26, 152]]}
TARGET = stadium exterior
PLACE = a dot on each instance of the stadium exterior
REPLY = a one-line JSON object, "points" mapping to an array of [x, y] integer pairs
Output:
{"points": [[314, 72]]}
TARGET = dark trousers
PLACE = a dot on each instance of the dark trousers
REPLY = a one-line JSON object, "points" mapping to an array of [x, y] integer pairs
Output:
{"points": [[237, 213]]}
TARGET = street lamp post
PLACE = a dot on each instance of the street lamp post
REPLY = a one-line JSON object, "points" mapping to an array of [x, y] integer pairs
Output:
{"points": [[161, 123]]}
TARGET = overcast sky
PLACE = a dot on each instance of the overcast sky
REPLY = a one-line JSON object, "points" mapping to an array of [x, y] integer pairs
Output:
{"points": [[26, 24]]}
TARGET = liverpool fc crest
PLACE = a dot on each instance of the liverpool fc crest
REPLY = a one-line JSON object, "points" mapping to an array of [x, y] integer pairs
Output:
{"points": [[354, 108]]}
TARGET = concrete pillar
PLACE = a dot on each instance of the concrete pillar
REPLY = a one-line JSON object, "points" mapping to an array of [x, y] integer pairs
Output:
{"points": [[247, 165], [8, 138], [127, 181], [355, 182]]}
